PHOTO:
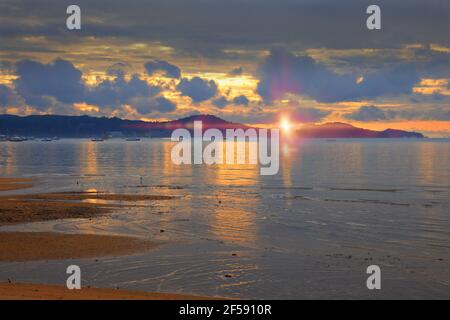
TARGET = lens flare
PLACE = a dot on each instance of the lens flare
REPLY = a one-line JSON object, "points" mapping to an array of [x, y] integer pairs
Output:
{"points": [[285, 125]]}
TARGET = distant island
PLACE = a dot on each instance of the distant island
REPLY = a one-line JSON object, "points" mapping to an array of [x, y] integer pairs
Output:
{"points": [[41, 126], [345, 130], [86, 126]]}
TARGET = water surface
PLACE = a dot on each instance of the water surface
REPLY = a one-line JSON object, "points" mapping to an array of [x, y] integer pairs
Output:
{"points": [[335, 208]]}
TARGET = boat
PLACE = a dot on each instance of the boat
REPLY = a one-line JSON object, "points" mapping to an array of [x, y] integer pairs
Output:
{"points": [[97, 139], [47, 140], [133, 139]]}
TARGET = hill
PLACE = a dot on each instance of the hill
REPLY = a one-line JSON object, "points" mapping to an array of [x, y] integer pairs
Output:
{"points": [[86, 126], [344, 130]]}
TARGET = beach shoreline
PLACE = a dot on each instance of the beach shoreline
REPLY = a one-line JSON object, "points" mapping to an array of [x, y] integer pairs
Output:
{"points": [[43, 246], [24, 291]]}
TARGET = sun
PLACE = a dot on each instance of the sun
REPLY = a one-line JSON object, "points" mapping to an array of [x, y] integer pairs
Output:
{"points": [[285, 125]]}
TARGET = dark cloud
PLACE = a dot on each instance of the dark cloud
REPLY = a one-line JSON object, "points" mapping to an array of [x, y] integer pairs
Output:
{"points": [[119, 69], [283, 72], [221, 102], [6, 67], [367, 113], [146, 106], [300, 115], [119, 91], [373, 113], [208, 27], [440, 114], [169, 70], [241, 100], [59, 79], [308, 115], [198, 89], [45, 85], [6, 95], [237, 71]]}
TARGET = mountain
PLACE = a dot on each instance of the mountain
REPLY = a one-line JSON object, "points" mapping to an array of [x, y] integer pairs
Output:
{"points": [[344, 130], [208, 121], [86, 126]]}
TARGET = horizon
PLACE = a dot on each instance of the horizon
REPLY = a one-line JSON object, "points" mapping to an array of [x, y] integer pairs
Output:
{"points": [[275, 125], [138, 64], [244, 150]]}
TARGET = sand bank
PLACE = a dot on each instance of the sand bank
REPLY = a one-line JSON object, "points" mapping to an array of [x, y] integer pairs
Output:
{"points": [[33, 246], [15, 209], [18, 291], [22, 211], [71, 196]]}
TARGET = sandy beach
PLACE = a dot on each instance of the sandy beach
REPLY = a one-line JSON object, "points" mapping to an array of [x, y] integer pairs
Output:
{"points": [[31, 246], [9, 184], [36, 246], [16, 209]]}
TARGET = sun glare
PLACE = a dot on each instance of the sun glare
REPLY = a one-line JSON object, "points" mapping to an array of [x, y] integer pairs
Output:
{"points": [[285, 125]]}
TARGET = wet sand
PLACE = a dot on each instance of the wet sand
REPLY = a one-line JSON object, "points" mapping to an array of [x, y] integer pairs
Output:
{"points": [[9, 184], [19, 291], [23, 211], [79, 196], [15, 209], [34, 246], [31, 246]]}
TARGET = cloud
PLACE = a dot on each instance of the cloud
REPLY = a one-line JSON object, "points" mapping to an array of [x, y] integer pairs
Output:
{"points": [[6, 66], [169, 70], [373, 113], [197, 89], [241, 100], [147, 106], [308, 115], [208, 27], [119, 69], [59, 79], [283, 72], [6, 95], [59, 84], [300, 115], [119, 91], [367, 113], [221, 102], [237, 71]]}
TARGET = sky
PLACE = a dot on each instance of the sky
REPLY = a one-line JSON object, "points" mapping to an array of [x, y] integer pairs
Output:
{"points": [[249, 61]]}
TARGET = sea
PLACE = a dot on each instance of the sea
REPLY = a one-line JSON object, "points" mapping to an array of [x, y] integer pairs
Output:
{"points": [[336, 207]]}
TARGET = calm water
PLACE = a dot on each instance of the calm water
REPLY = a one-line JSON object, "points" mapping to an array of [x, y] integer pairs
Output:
{"points": [[335, 208]]}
